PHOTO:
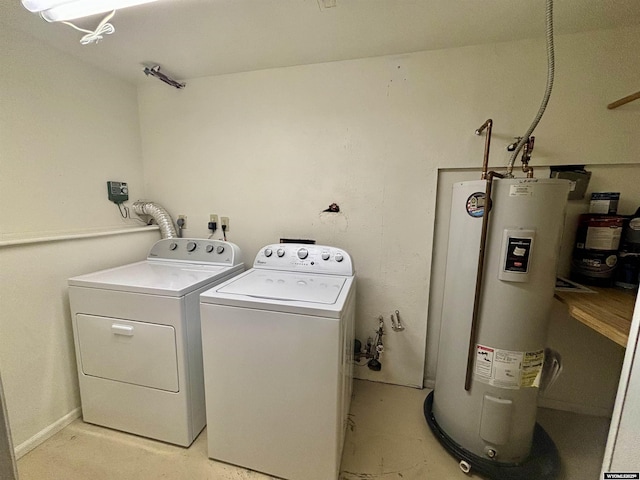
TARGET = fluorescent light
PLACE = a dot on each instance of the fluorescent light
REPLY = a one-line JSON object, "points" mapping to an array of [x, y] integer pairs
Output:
{"points": [[64, 10], [40, 5]]}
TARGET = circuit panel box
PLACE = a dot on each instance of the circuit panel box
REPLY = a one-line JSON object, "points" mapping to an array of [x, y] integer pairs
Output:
{"points": [[118, 192]]}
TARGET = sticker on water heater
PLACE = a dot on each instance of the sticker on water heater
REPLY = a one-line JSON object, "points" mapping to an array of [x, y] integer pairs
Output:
{"points": [[517, 256], [532, 364], [484, 361], [521, 190], [507, 368], [475, 204]]}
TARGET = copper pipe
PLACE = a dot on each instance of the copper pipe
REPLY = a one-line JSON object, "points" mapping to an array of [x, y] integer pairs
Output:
{"points": [[487, 143], [622, 101], [479, 278]]}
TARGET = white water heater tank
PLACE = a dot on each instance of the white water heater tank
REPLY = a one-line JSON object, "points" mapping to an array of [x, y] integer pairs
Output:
{"points": [[495, 418]]}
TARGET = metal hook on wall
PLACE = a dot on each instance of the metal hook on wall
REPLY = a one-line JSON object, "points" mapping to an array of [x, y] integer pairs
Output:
{"points": [[396, 324]]}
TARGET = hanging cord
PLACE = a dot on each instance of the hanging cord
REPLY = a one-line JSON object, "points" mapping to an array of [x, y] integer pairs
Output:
{"points": [[124, 214], [547, 93], [103, 28]]}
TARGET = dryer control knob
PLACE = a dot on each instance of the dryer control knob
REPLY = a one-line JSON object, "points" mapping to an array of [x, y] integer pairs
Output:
{"points": [[173, 246], [339, 257], [191, 246], [209, 248], [325, 255], [280, 252], [268, 252], [303, 253], [220, 249]]}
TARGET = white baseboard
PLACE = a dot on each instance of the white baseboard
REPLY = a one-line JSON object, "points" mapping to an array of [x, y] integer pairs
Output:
{"points": [[28, 445], [574, 407]]}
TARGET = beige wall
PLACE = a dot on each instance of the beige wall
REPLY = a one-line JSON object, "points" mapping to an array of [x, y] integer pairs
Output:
{"points": [[65, 130], [271, 149]]}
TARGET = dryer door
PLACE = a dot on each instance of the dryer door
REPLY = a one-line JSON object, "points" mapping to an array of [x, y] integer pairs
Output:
{"points": [[126, 351]]}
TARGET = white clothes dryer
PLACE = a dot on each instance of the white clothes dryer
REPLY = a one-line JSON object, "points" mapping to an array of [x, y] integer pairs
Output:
{"points": [[278, 362], [137, 338]]}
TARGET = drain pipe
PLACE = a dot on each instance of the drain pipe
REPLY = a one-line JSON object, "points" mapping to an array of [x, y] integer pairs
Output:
{"points": [[160, 215]]}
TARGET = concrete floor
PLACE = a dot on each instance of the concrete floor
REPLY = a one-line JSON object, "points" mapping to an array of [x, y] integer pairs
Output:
{"points": [[388, 439]]}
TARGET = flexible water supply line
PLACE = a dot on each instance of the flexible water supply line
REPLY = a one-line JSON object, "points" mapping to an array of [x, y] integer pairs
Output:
{"points": [[160, 215], [547, 93]]}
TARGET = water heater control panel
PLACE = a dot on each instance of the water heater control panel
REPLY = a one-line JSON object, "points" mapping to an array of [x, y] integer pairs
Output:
{"points": [[515, 258]]}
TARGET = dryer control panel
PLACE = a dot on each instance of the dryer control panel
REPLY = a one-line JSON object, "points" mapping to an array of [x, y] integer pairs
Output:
{"points": [[298, 257], [196, 250]]}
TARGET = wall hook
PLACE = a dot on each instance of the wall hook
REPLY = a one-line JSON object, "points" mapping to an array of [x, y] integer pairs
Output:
{"points": [[396, 325]]}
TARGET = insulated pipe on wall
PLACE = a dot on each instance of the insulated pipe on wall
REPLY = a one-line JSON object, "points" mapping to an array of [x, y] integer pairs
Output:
{"points": [[160, 215]]}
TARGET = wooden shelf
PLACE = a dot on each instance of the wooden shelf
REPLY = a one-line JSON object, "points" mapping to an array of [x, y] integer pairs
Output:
{"points": [[608, 311]]}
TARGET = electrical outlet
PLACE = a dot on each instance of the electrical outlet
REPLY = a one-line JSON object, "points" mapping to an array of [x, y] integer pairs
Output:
{"points": [[184, 221], [225, 223], [213, 218]]}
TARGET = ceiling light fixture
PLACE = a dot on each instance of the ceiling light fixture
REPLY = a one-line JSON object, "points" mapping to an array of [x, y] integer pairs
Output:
{"points": [[64, 10]]}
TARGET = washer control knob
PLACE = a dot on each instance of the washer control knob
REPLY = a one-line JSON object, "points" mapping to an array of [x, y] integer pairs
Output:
{"points": [[303, 253], [220, 249], [339, 257], [268, 252], [209, 248], [191, 246], [280, 252], [325, 255], [173, 246]]}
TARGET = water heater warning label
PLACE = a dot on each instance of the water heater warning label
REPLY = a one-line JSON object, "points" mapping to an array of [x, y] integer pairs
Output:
{"points": [[508, 369], [518, 252], [484, 361]]}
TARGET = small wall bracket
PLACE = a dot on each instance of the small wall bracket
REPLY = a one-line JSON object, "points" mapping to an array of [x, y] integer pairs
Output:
{"points": [[155, 72]]}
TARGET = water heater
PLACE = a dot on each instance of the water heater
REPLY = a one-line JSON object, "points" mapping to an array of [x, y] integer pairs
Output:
{"points": [[493, 333]]}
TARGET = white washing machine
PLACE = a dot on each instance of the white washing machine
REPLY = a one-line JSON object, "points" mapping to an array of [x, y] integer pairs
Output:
{"points": [[278, 350], [137, 338]]}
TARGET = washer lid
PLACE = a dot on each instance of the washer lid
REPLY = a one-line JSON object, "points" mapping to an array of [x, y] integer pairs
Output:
{"points": [[287, 286], [155, 277]]}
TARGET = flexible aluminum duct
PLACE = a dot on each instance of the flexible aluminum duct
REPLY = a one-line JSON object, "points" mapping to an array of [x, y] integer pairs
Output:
{"points": [[160, 215]]}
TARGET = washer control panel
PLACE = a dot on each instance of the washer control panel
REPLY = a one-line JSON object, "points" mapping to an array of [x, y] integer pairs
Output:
{"points": [[196, 250], [304, 258]]}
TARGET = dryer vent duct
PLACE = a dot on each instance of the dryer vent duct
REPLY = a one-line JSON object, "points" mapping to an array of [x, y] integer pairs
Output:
{"points": [[160, 215]]}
